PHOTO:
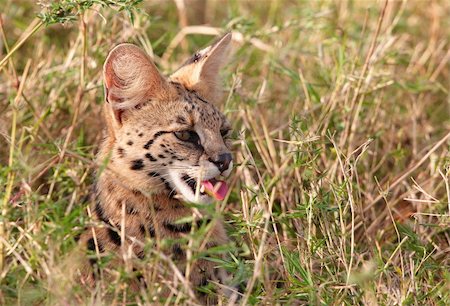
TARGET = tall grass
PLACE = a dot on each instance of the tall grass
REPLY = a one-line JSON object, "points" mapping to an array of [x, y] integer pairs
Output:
{"points": [[341, 116]]}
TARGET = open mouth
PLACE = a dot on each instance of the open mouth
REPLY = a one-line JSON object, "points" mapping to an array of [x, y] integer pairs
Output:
{"points": [[213, 187]]}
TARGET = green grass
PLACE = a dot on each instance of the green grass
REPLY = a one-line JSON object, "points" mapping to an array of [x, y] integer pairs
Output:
{"points": [[341, 118]]}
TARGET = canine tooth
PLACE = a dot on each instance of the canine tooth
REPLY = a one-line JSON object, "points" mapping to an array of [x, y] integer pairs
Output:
{"points": [[202, 188]]}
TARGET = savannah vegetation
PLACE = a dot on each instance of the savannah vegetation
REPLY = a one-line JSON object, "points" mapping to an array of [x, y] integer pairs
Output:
{"points": [[340, 109]]}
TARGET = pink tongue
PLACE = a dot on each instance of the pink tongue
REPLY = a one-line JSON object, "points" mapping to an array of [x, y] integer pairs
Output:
{"points": [[217, 189]]}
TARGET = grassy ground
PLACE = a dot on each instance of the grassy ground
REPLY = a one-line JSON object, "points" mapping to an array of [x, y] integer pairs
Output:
{"points": [[341, 116]]}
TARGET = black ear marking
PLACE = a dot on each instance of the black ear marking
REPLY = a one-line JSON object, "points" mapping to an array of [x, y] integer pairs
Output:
{"points": [[193, 59]]}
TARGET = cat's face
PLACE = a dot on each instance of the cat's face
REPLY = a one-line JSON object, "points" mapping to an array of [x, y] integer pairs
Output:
{"points": [[168, 134]]}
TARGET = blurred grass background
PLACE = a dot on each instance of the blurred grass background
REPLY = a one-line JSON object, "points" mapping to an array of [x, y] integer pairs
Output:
{"points": [[341, 118]]}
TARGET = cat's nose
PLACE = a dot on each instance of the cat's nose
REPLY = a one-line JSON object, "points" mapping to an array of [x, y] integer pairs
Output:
{"points": [[222, 161]]}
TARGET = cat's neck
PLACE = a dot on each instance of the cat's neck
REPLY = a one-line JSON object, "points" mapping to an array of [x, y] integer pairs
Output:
{"points": [[115, 196]]}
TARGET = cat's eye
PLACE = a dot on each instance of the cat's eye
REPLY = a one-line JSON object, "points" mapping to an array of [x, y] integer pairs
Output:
{"points": [[188, 136]]}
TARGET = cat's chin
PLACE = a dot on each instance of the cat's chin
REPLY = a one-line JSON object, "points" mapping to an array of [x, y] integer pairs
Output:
{"points": [[191, 198]]}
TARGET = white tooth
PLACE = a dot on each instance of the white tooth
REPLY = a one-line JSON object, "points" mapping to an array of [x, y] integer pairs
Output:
{"points": [[202, 188]]}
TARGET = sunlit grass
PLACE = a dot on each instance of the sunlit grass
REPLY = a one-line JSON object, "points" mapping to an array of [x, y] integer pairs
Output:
{"points": [[341, 124]]}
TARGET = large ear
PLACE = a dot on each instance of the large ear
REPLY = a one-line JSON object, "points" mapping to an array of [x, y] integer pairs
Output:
{"points": [[131, 78], [201, 71]]}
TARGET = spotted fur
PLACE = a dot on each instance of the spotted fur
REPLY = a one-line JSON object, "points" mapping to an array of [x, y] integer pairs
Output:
{"points": [[154, 171]]}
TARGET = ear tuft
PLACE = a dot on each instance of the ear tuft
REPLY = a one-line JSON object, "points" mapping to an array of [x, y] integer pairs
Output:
{"points": [[201, 72], [130, 77]]}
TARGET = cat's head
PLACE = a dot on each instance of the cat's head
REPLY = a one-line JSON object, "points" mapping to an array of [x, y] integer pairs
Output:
{"points": [[167, 134]]}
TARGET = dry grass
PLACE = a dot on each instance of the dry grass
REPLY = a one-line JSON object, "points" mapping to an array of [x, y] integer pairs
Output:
{"points": [[341, 114]]}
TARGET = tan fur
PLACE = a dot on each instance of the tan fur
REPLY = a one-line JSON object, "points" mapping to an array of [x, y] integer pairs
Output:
{"points": [[204, 73], [135, 193]]}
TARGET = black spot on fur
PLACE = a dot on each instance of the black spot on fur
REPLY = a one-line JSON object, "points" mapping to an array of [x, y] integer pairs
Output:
{"points": [[93, 261], [162, 145], [140, 254], [153, 174], [188, 98], [77, 237], [141, 134], [157, 134], [142, 229], [121, 152], [151, 230], [178, 252], [156, 207], [181, 120], [204, 282], [190, 181], [200, 222], [130, 143], [91, 245], [114, 237], [169, 189], [95, 267], [100, 212], [150, 157], [130, 209], [161, 156], [150, 142], [178, 228], [137, 164]]}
